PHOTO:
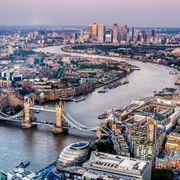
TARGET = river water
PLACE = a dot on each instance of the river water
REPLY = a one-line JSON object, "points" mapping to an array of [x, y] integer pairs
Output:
{"points": [[41, 147]]}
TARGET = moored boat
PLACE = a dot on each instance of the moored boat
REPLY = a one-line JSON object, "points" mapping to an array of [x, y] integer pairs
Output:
{"points": [[79, 99], [125, 82], [102, 91], [23, 164], [103, 116]]}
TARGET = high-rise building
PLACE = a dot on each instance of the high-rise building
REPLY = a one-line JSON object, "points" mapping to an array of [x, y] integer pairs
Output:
{"points": [[75, 36], [124, 33], [144, 36], [81, 32], [81, 35], [101, 33], [94, 30], [153, 33], [115, 33], [108, 36], [132, 34]]}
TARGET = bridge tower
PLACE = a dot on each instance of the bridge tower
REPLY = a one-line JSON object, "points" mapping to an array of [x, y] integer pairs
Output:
{"points": [[27, 114], [59, 118]]}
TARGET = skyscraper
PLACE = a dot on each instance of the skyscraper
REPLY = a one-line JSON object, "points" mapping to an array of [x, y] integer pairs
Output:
{"points": [[144, 36], [108, 36], [132, 35], [81, 35], [81, 32], [101, 33], [94, 30], [75, 36], [124, 33], [115, 33], [153, 33]]}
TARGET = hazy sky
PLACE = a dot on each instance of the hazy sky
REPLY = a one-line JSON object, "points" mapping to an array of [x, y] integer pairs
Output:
{"points": [[84, 12]]}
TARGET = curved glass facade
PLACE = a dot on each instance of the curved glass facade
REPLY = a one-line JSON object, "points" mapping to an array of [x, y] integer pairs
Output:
{"points": [[73, 155]]}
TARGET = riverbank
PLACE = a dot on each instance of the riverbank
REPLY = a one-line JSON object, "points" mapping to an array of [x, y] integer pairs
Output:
{"points": [[127, 58], [109, 53], [84, 75], [41, 146]]}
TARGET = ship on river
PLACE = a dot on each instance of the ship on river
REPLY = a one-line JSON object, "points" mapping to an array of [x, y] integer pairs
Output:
{"points": [[103, 116], [113, 85], [23, 164], [103, 91], [177, 82]]}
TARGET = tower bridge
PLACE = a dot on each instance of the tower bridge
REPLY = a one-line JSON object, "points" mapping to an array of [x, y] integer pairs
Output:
{"points": [[63, 120]]}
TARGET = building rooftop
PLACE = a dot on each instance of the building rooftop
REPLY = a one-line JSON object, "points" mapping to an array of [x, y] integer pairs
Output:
{"points": [[116, 163], [80, 145], [173, 155], [21, 173], [176, 133]]}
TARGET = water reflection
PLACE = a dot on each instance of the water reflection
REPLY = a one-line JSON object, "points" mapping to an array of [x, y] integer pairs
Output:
{"points": [[41, 147]]}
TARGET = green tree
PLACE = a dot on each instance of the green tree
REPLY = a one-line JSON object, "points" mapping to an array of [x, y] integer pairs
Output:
{"points": [[162, 174], [105, 146]]}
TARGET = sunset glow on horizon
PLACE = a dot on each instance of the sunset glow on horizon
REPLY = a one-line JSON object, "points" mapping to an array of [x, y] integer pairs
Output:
{"points": [[83, 12]]}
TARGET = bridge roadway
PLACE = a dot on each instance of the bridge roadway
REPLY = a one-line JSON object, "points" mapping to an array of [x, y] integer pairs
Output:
{"points": [[15, 118], [69, 121], [74, 127], [46, 123], [43, 108], [43, 123]]}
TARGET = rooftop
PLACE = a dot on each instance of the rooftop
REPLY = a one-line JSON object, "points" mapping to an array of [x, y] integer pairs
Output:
{"points": [[176, 133], [21, 173], [80, 145], [172, 155], [118, 163]]}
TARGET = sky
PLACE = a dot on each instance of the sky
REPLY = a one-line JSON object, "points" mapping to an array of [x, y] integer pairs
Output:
{"points": [[144, 13]]}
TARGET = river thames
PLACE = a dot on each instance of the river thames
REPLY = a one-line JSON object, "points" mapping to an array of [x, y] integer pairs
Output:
{"points": [[41, 147]]}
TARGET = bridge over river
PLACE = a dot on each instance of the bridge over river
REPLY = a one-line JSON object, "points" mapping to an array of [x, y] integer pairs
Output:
{"points": [[63, 120], [42, 147]]}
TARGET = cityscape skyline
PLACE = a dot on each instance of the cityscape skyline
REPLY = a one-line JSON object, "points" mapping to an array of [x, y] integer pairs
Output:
{"points": [[89, 89], [56, 12]]}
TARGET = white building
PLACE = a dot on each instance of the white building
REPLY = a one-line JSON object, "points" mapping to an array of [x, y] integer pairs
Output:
{"points": [[118, 167]]}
